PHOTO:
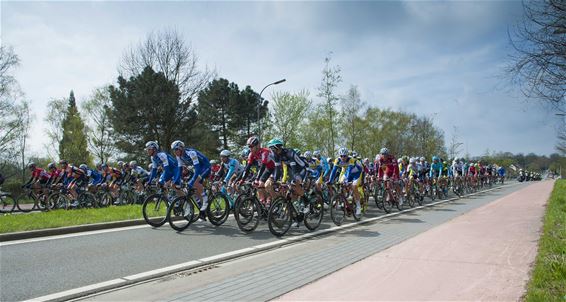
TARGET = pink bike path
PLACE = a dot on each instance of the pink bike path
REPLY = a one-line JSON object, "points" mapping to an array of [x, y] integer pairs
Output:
{"points": [[483, 255]]}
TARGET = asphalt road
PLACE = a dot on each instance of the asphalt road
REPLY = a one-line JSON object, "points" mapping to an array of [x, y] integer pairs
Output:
{"points": [[34, 269]]}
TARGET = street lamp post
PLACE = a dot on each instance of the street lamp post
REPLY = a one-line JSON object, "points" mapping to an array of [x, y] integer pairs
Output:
{"points": [[262, 103]]}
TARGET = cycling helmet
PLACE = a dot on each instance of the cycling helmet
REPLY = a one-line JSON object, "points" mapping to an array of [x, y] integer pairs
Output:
{"points": [[152, 144], [377, 157], [103, 166], [384, 151], [120, 163], [213, 162], [245, 152], [31, 165], [316, 153], [342, 152], [308, 154], [277, 143], [366, 160], [133, 163], [225, 153], [435, 158], [412, 160], [422, 158], [354, 154], [177, 145], [83, 167], [400, 159], [297, 150], [63, 162], [252, 141], [51, 166]]}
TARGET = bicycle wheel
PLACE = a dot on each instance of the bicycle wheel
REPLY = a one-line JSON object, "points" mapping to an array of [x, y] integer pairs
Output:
{"points": [[105, 199], [218, 209], [26, 202], [247, 213], [180, 213], [7, 204], [378, 195], [338, 209], [313, 218], [410, 199], [87, 200], [387, 201], [154, 210], [279, 218], [432, 192], [127, 197]]}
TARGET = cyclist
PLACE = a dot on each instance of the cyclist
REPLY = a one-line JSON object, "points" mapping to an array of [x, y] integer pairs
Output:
{"points": [[352, 171], [389, 168], [266, 162], [296, 166], [201, 171], [233, 171], [160, 159], [39, 178], [93, 175], [73, 178], [324, 162], [501, 173]]}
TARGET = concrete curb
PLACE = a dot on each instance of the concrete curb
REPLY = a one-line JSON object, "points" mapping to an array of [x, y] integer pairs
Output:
{"points": [[203, 262], [69, 230]]}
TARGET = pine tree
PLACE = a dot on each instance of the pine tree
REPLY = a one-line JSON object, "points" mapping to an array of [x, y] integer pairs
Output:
{"points": [[73, 146]]}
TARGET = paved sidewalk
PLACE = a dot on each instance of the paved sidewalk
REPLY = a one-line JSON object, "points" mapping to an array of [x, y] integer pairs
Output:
{"points": [[485, 254]]}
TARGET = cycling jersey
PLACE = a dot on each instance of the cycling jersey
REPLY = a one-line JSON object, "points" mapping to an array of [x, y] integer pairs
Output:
{"points": [[40, 174], [265, 159], [435, 169], [232, 167], [200, 163], [314, 168], [296, 164], [388, 166], [325, 166], [351, 167], [94, 176], [501, 171], [168, 163]]}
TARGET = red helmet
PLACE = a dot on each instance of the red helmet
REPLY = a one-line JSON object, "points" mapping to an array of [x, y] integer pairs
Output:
{"points": [[252, 141]]}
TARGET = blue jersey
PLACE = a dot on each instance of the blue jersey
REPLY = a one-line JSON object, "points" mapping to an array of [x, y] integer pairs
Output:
{"points": [[192, 157], [501, 171], [164, 160], [325, 166], [95, 176], [233, 166], [435, 168]]}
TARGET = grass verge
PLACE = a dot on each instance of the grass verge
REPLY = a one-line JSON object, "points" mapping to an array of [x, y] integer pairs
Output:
{"points": [[61, 218], [548, 279]]}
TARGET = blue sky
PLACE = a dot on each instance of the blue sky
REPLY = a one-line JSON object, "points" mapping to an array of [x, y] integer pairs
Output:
{"points": [[440, 59]]}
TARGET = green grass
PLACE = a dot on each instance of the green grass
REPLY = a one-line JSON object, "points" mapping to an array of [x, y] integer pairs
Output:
{"points": [[60, 218], [548, 280]]}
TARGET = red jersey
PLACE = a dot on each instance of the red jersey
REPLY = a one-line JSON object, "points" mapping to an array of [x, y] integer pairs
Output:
{"points": [[263, 156], [388, 165], [56, 173], [40, 174]]}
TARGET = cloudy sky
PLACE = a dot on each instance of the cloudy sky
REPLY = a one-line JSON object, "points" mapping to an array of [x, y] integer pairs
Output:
{"points": [[444, 60]]}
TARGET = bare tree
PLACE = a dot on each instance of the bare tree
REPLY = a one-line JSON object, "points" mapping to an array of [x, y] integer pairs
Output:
{"points": [[8, 61], [330, 79], [539, 67], [455, 145], [100, 132], [56, 110], [351, 107], [165, 51], [25, 118]]}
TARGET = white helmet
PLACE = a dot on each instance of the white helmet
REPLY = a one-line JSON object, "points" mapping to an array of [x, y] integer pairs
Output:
{"points": [[422, 158], [177, 145], [152, 144], [412, 160], [225, 153], [316, 153], [308, 154], [384, 151], [342, 152], [133, 163]]}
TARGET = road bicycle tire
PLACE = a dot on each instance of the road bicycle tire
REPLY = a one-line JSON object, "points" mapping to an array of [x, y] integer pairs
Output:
{"points": [[127, 197], [20, 203], [280, 216], [411, 199], [338, 209], [105, 199], [7, 204], [378, 196], [87, 200], [313, 218], [180, 213], [218, 209], [247, 214], [152, 208]]}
